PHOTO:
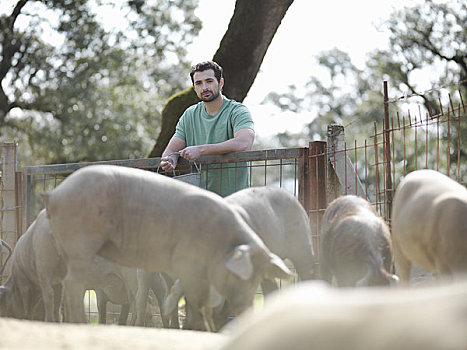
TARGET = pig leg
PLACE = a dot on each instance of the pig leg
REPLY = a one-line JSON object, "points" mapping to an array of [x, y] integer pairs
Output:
{"points": [[197, 297], [73, 291], [141, 298], [206, 311], [48, 297], [37, 313], [402, 264], [125, 310], [169, 306], [198, 319], [194, 319], [102, 300], [159, 287], [165, 282], [221, 315], [57, 301]]}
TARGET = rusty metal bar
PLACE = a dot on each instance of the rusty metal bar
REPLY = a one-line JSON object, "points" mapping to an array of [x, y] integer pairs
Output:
{"points": [[19, 204], [416, 145], [387, 149], [377, 195], [426, 142], [393, 158], [459, 146], [437, 144], [366, 171], [355, 166], [404, 138]]}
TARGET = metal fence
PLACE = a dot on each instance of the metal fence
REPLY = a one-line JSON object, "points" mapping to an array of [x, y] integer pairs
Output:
{"points": [[317, 174], [403, 143]]}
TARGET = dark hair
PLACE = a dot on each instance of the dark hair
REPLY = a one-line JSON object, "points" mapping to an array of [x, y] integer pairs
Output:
{"points": [[202, 66]]}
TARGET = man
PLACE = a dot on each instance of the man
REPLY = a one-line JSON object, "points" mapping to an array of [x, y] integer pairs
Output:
{"points": [[215, 125]]}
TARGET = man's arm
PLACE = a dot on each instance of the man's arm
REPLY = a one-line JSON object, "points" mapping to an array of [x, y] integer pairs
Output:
{"points": [[169, 157], [242, 141]]}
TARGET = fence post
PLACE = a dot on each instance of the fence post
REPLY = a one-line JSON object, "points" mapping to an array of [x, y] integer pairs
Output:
{"points": [[303, 183], [9, 205], [341, 163], [317, 162]]}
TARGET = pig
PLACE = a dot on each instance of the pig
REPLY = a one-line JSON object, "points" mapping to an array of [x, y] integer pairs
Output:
{"points": [[429, 225], [355, 244], [279, 219], [142, 219], [311, 315], [37, 271]]}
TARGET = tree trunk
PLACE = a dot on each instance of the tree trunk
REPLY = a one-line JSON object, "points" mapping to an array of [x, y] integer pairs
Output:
{"points": [[241, 52]]}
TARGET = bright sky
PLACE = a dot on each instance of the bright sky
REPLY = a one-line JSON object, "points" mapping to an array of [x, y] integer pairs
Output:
{"points": [[308, 28]]}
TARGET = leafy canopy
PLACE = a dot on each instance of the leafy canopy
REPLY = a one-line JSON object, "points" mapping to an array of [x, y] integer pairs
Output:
{"points": [[86, 79]]}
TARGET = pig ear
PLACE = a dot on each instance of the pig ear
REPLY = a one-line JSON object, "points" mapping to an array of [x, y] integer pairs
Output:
{"points": [[277, 268], [240, 263]]}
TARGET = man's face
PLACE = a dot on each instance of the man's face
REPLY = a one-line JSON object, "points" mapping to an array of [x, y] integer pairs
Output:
{"points": [[206, 86]]}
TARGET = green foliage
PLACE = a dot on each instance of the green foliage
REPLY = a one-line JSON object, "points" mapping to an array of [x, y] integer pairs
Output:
{"points": [[431, 33], [430, 36], [76, 88]]}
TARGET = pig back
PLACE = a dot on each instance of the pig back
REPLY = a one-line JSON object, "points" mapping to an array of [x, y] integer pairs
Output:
{"points": [[279, 219], [35, 247], [418, 191], [429, 211], [355, 243], [139, 215]]}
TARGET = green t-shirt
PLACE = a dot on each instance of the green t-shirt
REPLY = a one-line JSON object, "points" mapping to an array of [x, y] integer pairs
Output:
{"points": [[197, 127]]}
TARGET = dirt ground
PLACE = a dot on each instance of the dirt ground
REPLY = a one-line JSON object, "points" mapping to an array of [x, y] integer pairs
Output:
{"points": [[20, 334], [25, 335]]}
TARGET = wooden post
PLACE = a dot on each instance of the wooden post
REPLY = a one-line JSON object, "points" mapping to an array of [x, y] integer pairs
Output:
{"points": [[341, 163], [303, 183]]}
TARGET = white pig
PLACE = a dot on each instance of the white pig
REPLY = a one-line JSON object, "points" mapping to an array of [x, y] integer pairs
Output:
{"points": [[143, 219], [355, 244], [429, 224], [313, 316]]}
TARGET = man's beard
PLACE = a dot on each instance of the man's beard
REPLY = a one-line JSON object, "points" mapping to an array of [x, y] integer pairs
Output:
{"points": [[211, 97]]}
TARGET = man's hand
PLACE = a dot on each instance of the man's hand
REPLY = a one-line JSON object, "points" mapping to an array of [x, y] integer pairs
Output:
{"points": [[168, 163], [191, 153]]}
